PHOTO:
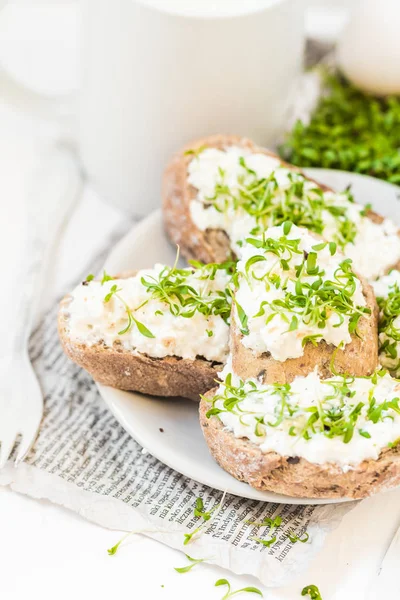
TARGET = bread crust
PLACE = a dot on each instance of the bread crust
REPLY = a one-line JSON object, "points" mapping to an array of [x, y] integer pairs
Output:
{"points": [[114, 366], [359, 357], [295, 476], [211, 245]]}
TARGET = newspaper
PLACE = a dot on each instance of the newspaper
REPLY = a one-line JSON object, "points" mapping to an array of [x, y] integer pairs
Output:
{"points": [[84, 460]]}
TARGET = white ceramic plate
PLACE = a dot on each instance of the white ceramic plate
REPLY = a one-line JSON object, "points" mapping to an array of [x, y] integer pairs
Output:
{"points": [[180, 444]]}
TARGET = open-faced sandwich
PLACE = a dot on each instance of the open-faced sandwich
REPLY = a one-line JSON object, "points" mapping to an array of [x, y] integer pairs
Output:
{"points": [[297, 302], [220, 189], [387, 290], [316, 438], [161, 331]]}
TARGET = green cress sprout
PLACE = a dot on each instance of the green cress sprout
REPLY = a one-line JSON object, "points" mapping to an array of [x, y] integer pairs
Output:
{"points": [[313, 300], [193, 561], [230, 594], [271, 204], [303, 539], [187, 537], [389, 309], [199, 511], [266, 543], [114, 291], [349, 130], [194, 151], [171, 287], [267, 522], [331, 421], [312, 591]]}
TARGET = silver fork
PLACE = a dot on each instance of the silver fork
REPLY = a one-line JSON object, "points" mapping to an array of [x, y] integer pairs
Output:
{"points": [[21, 399]]}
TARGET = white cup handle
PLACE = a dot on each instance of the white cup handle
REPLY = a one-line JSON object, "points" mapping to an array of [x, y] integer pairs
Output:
{"points": [[58, 108]]}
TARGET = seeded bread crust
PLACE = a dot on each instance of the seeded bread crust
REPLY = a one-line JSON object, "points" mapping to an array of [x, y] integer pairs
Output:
{"points": [[211, 245], [114, 366], [295, 476], [359, 357]]}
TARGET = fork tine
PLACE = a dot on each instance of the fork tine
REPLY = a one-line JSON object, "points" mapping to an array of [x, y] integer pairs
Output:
{"points": [[26, 444], [7, 444]]}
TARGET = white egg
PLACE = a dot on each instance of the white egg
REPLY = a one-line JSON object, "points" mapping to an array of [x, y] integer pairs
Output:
{"points": [[368, 52]]}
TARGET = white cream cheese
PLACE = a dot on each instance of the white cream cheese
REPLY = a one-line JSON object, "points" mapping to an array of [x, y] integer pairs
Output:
{"points": [[212, 167], [257, 294], [92, 320], [259, 405], [385, 289]]}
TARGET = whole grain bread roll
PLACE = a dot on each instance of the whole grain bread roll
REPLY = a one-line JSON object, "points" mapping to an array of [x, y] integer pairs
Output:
{"points": [[211, 245], [115, 366], [295, 476]]}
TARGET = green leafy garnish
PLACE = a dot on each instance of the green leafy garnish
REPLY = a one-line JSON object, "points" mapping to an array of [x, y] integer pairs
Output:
{"points": [[114, 291], [105, 278], [194, 151], [90, 277], [267, 522], [303, 539], [389, 338], [308, 295], [193, 561], [336, 413], [230, 594], [114, 549], [171, 287], [199, 511], [187, 537], [270, 202], [312, 591], [349, 130], [266, 543]]}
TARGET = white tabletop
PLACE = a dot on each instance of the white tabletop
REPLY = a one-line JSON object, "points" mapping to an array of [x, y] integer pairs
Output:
{"points": [[47, 548]]}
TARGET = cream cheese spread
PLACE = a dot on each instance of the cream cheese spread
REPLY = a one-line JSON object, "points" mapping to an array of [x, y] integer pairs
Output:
{"points": [[97, 314], [238, 191], [338, 420], [292, 289]]}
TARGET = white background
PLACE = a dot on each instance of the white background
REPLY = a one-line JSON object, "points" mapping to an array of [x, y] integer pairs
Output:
{"points": [[48, 552]]}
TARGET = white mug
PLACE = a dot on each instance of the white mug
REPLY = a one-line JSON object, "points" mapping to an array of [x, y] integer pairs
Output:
{"points": [[159, 73]]}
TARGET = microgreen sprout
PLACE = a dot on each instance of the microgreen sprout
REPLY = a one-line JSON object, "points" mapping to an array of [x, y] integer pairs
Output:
{"points": [[230, 594], [199, 511], [187, 537], [189, 567], [303, 539], [349, 130], [267, 522], [312, 591], [389, 338], [308, 298], [194, 151], [336, 414], [114, 549], [170, 286], [266, 543], [270, 202], [205, 515], [114, 291]]}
